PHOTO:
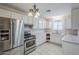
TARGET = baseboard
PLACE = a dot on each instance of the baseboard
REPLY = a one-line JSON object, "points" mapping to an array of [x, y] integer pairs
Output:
{"points": [[18, 46], [41, 44], [50, 43], [55, 43]]}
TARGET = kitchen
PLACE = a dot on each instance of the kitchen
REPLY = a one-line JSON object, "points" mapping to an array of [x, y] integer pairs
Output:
{"points": [[43, 35]]}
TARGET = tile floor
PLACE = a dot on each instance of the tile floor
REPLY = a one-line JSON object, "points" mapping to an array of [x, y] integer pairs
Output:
{"points": [[16, 51], [45, 49], [48, 49]]}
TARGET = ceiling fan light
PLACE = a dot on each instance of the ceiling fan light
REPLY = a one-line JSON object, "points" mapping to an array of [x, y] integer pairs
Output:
{"points": [[36, 16], [37, 13], [34, 12], [30, 14]]}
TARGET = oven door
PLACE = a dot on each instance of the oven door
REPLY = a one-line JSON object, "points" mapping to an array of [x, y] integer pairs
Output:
{"points": [[29, 44]]}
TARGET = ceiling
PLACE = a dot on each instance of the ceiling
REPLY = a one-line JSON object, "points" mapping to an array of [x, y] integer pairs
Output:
{"points": [[56, 8]]}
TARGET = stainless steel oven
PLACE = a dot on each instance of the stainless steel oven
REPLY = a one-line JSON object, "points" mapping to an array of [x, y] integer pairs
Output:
{"points": [[29, 43]]}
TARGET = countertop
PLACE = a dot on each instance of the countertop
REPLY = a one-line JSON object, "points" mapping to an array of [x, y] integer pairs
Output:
{"points": [[71, 39]]}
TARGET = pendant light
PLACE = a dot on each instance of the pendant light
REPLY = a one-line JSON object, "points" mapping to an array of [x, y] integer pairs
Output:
{"points": [[34, 11]]}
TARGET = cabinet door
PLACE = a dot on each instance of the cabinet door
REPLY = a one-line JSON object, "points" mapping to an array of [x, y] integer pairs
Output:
{"points": [[25, 19], [40, 37], [75, 19], [5, 13], [67, 21], [30, 20]]}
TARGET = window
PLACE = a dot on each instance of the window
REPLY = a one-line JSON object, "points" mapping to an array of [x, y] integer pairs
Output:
{"points": [[57, 26]]}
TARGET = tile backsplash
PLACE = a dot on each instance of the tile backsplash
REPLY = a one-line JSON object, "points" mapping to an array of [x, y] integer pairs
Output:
{"points": [[71, 32]]}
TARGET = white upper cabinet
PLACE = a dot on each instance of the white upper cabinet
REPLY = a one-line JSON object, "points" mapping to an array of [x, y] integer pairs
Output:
{"points": [[5, 13], [10, 14], [25, 19], [67, 21], [28, 20], [75, 18], [16, 16], [72, 20]]}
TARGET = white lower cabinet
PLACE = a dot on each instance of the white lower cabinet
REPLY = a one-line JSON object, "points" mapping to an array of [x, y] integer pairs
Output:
{"points": [[40, 40], [70, 48], [40, 37], [56, 38]]}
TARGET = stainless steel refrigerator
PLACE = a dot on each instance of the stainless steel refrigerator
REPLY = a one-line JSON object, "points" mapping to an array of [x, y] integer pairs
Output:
{"points": [[11, 33], [17, 33]]}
